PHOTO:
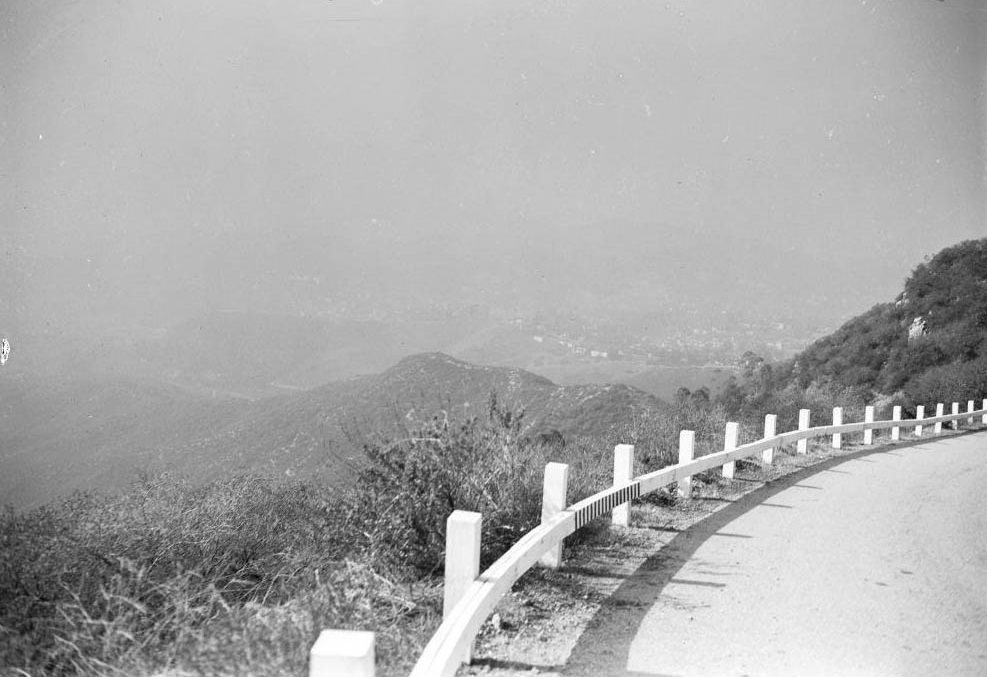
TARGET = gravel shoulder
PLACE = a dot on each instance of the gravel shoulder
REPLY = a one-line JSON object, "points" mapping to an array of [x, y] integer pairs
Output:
{"points": [[608, 584]]}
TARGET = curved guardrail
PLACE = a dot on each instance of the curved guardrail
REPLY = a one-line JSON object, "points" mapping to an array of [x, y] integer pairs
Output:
{"points": [[451, 644]]}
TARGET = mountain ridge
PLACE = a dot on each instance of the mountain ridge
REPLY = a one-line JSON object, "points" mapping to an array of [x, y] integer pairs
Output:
{"points": [[100, 433]]}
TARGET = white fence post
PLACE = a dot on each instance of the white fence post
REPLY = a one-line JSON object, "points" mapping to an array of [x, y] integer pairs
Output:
{"points": [[939, 410], [553, 500], [770, 426], [803, 445], [956, 422], [730, 442], [969, 409], [687, 450], [462, 561], [623, 473], [984, 419], [868, 418], [837, 420], [895, 430], [919, 415], [342, 653]]}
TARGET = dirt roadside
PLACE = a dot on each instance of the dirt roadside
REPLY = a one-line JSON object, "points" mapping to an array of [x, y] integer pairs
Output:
{"points": [[535, 627]]}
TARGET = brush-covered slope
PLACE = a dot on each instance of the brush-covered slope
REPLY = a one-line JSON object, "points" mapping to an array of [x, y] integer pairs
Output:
{"points": [[929, 344], [100, 432]]}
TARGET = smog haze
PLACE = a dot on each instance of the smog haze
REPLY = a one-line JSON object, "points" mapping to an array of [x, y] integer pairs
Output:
{"points": [[766, 160]]}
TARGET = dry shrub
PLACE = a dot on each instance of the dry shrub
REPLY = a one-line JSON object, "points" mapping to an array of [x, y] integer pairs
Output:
{"points": [[412, 485], [236, 577]]}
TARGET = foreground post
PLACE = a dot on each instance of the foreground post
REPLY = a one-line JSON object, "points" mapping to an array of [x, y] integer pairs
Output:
{"points": [[687, 450], [896, 431], [837, 420], [919, 415], [939, 410], [803, 445], [342, 653], [462, 556], [553, 499], [730, 442], [462, 561], [770, 426], [969, 410], [623, 473], [868, 418], [955, 422]]}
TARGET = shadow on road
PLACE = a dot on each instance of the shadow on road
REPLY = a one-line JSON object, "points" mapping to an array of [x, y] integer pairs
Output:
{"points": [[604, 646]]}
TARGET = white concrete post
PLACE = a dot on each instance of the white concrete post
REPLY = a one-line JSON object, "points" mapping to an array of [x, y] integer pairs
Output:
{"points": [[803, 445], [837, 420], [939, 410], [462, 561], [623, 473], [553, 499], [984, 419], [969, 410], [342, 653], [687, 450], [955, 422], [868, 418], [770, 426], [896, 416], [730, 442], [919, 415]]}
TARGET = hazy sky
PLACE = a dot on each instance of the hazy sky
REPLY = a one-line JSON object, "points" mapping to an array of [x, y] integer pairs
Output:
{"points": [[164, 157]]}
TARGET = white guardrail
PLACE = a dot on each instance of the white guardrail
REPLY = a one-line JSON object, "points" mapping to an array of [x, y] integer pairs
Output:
{"points": [[470, 596]]}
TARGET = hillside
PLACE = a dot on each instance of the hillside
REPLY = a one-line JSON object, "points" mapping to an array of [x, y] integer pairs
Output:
{"points": [[928, 345], [100, 432]]}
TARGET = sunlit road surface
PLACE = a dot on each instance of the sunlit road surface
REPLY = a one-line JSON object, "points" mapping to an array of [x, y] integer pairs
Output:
{"points": [[873, 566]]}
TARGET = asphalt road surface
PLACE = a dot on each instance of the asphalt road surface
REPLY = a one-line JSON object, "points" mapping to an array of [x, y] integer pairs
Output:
{"points": [[872, 565]]}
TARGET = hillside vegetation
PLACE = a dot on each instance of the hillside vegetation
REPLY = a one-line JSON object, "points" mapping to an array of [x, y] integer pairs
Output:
{"points": [[239, 575], [929, 345]]}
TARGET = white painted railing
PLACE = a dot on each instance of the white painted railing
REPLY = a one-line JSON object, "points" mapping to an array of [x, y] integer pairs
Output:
{"points": [[470, 596]]}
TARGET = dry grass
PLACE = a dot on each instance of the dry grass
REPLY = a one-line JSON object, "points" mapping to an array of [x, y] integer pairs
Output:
{"points": [[238, 577], [235, 577]]}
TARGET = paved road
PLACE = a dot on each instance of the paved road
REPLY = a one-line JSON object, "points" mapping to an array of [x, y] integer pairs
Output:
{"points": [[875, 565]]}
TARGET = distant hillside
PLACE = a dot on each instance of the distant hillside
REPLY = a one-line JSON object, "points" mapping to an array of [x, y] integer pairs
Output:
{"points": [[663, 382], [99, 432], [928, 345]]}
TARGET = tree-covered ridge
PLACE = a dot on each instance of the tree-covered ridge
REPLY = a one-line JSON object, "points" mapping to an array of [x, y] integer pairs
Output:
{"points": [[929, 345], [950, 294]]}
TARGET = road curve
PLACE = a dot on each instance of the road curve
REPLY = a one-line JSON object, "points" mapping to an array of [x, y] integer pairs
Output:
{"points": [[875, 564]]}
